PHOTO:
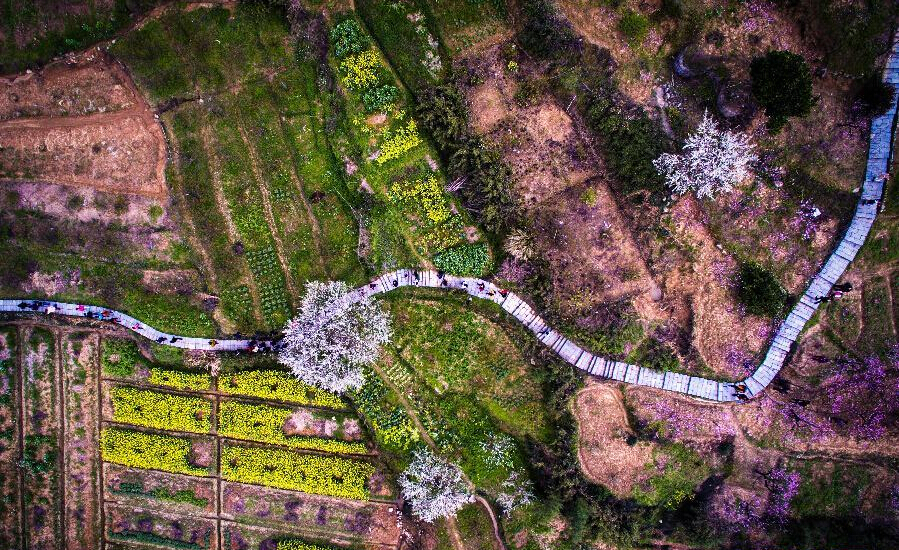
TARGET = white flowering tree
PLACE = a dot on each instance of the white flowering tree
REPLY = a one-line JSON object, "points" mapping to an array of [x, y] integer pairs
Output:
{"points": [[713, 161], [333, 336], [435, 488]]}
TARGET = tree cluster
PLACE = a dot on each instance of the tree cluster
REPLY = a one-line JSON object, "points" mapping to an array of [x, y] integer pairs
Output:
{"points": [[782, 84], [472, 161]]}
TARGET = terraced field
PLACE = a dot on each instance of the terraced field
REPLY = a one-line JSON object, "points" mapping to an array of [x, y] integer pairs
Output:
{"points": [[121, 449]]}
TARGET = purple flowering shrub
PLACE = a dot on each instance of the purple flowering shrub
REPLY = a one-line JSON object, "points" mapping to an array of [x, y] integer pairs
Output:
{"points": [[862, 396]]}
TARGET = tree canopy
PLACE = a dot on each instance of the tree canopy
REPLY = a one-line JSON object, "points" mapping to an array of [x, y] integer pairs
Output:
{"points": [[333, 337], [782, 84]]}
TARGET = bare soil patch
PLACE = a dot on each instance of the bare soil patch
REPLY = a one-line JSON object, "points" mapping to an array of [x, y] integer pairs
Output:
{"points": [[603, 432], [122, 153], [83, 123], [80, 84]]}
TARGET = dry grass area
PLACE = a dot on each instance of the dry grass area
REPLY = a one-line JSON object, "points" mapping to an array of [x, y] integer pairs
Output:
{"points": [[593, 257], [603, 431], [81, 122]]}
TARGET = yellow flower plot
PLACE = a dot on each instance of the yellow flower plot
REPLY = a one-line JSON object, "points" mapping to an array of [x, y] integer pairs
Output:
{"points": [[163, 411], [276, 384], [361, 70], [399, 142], [424, 192], [141, 450], [265, 423], [314, 474]]}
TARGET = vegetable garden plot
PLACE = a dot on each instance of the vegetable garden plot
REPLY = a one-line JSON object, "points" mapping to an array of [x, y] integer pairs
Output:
{"points": [[122, 360], [303, 114], [9, 440], [41, 454], [158, 490], [314, 517], [253, 107], [134, 525], [81, 473]]}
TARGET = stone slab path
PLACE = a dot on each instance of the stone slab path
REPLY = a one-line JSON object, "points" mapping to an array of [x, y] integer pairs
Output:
{"points": [[880, 153]]}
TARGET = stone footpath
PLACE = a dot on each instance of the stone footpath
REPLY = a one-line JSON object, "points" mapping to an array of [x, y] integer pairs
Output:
{"points": [[879, 155]]}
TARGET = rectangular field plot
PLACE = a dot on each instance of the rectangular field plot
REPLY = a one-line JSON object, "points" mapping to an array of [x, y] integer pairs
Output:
{"points": [[134, 525], [298, 428], [313, 517], [156, 409], [81, 436], [41, 453], [277, 385], [159, 490], [9, 440], [101, 447], [315, 474], [169, 453]]}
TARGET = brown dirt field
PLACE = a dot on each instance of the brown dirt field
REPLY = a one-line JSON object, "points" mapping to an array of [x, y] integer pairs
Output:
{"points": [[593, 255], [339, 520], [80, 84], [698, 291], [603, 451], [114, 144], [122, 152]]}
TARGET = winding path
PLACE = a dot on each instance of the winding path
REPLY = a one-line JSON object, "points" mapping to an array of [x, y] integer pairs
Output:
{"points": [[879, 156]]}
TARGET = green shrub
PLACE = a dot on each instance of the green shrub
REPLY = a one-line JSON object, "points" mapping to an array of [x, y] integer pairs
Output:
{"points": [[630, 144], [348, 38], [468, 260], [634, 26], [874, 95], [379, 97], [545, 33], [759, 290], [119, 358], [782, 84]]}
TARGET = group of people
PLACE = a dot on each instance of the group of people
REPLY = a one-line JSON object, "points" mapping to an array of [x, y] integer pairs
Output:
{"points": [[835, 293]]}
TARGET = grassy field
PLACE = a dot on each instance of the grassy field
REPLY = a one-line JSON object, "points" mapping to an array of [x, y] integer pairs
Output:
{"points": [[34, 31]]}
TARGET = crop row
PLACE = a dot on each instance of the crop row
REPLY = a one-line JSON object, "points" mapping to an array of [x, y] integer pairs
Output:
{"points": [[320, 475], [179, 379], [142, 450], [265, 424], [279, 385], [161, 410]]}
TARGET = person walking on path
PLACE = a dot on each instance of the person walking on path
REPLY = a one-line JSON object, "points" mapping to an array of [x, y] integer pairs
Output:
{"points": [[843, 287], [823, 299]]}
